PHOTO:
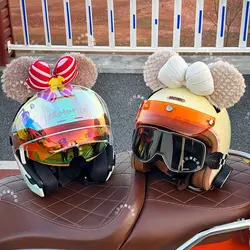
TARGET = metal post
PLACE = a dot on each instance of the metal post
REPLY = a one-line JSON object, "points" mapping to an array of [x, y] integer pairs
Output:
{"points": [[155, 23], [133, 25], [244, 24], [111, 23], [221, 23], [177, 23], [198, 23]]}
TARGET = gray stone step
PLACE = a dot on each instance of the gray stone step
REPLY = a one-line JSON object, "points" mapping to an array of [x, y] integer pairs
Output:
{"points": [[133, 64]]}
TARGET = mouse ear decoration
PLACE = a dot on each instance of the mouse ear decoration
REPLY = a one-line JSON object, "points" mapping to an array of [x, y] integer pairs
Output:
{"points": [[152, 67], [229, 85], [87, 72], [14, 79]]}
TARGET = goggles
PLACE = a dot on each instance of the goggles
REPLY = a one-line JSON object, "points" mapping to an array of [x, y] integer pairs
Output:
{"points": [[180, 153]]}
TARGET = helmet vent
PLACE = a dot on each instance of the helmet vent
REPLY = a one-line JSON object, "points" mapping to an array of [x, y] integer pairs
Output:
{"points": [[175, 98]]}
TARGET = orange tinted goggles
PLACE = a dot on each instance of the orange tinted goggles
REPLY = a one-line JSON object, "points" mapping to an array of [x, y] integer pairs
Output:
{"points": [[174, 117]]}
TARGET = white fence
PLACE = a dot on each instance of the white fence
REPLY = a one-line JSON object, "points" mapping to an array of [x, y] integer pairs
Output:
{"points": [[69, 46]]}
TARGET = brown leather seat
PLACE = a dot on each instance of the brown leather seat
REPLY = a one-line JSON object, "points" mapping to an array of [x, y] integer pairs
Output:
{"points": [[76, 217], [113, 216], [170, 217]]}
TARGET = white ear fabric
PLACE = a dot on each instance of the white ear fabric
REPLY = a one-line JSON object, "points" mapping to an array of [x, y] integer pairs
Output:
{"points": [[199, 79], [172, 74]]}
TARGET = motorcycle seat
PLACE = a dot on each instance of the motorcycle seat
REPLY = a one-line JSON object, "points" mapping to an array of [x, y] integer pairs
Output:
{"points": [[76, 216], [132, 210], [171, 217]]}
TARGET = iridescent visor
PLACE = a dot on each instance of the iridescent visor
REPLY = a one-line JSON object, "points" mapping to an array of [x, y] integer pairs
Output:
{"points": [[60, 148], [82, 109], [180, 153], [51, 131]]}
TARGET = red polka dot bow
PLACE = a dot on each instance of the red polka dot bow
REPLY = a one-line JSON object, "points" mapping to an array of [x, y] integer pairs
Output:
{"points": [[41, 79]]}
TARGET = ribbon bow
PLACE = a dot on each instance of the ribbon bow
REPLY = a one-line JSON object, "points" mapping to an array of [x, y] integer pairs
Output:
{"points": [[41, 79], [197, 77]]}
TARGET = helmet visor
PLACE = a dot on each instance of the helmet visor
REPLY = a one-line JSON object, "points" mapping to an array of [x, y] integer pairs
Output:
{"points": [[60, 148], [174, 117], [180, 153]]}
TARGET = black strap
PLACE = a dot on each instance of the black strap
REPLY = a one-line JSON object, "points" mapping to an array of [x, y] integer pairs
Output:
{"points": [[223, 175], [72, 172], [215, 160], [184, 183], [49, 181]]}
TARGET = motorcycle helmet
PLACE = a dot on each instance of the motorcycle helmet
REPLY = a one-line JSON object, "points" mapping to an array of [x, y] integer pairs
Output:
{"points": [[62, 132], [183, 128]]}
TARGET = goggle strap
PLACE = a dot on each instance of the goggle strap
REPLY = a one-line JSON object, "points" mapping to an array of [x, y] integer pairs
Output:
{"points": [[215, 160]]}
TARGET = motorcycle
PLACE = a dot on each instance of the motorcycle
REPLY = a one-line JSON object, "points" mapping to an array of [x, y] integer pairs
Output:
{"points": [[132, 210]]}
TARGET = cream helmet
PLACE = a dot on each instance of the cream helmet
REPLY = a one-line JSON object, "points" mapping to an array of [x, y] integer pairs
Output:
{"points": [[189, 104]]}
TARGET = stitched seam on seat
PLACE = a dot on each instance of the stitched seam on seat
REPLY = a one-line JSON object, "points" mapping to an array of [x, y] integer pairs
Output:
{"points": [[202, 194], [166, 193], [79, 228], [172, 197], [74, 224], [79, 192], [108, 216], [232, 195], [203, 208], [99, 204]]}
